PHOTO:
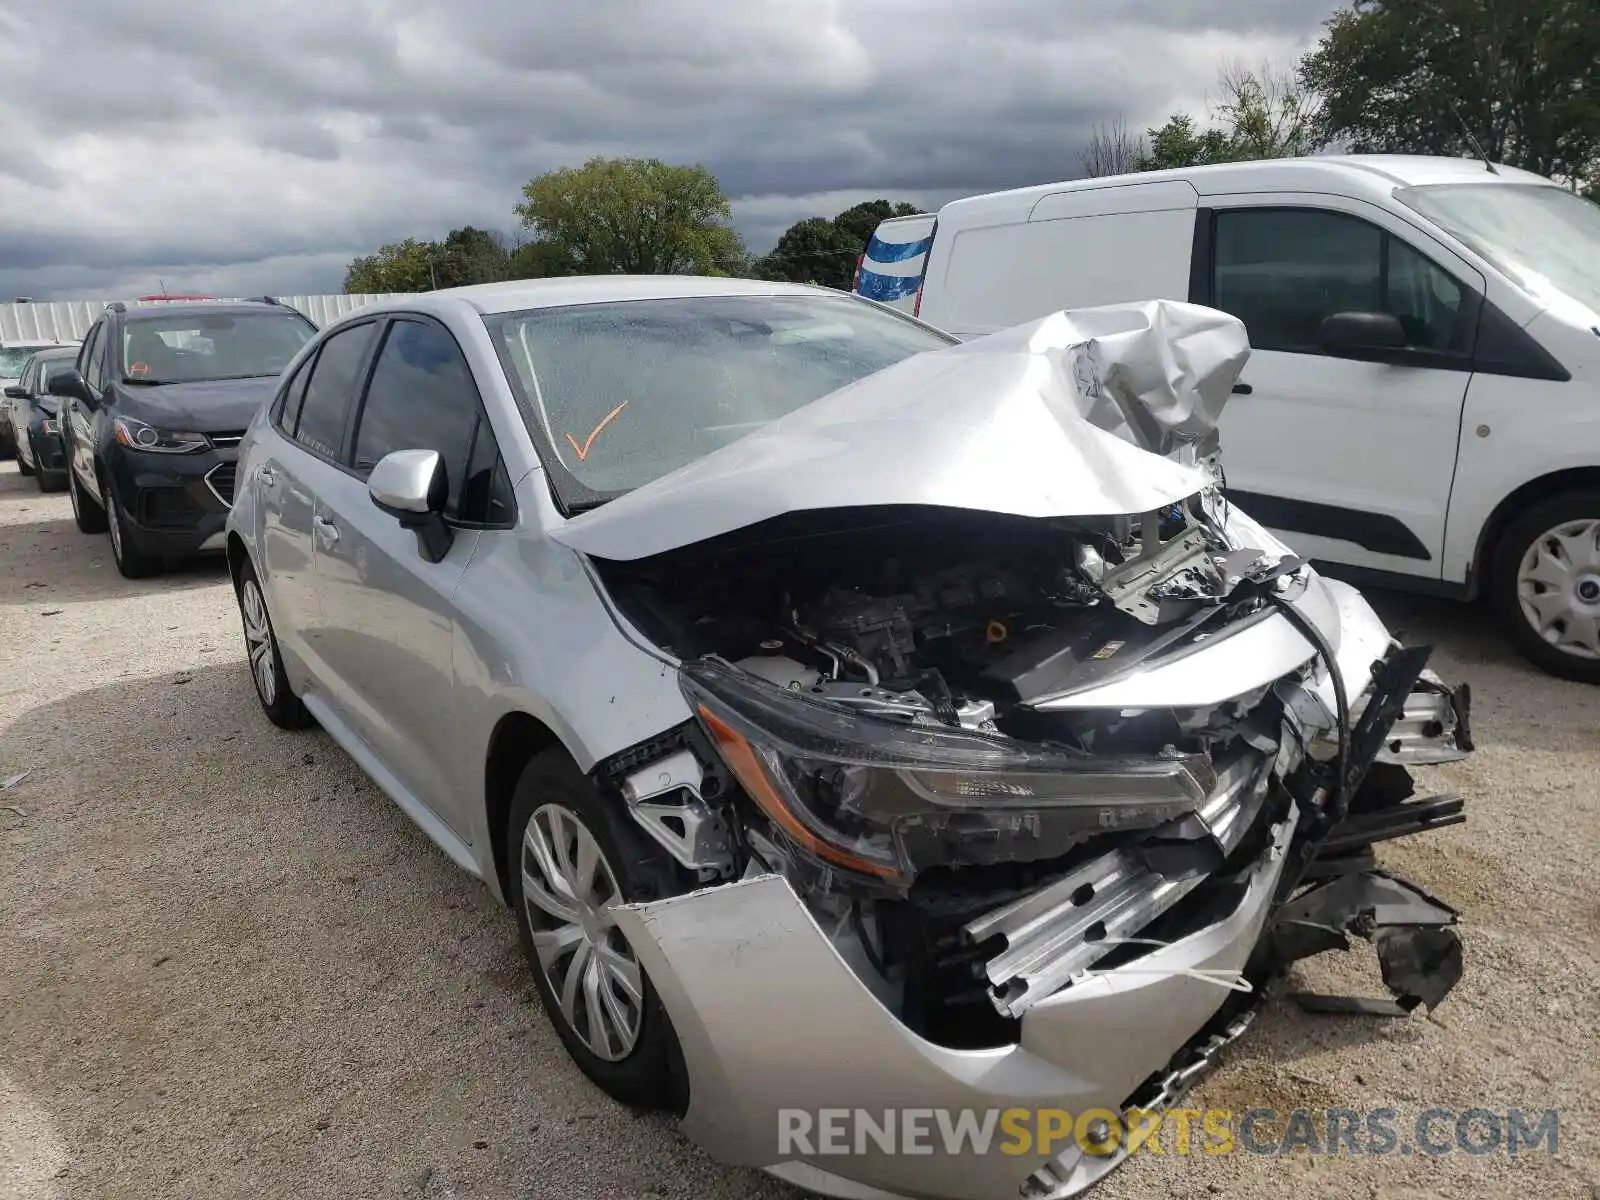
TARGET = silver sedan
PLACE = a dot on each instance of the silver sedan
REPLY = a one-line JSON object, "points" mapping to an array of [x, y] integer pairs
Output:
{"points": [[848, 716]]}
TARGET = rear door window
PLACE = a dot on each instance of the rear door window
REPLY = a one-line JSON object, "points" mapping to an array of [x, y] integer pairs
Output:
{"points": [[330, 391]]}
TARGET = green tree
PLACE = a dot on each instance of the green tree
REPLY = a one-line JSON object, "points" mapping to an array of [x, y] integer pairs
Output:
{"points": [[819, 250], [1179, 144], [469, 255], [635, 216], [812, 251], [539, 260], [1262, 113], [1523, 75], [859, 221], [406, 266]]}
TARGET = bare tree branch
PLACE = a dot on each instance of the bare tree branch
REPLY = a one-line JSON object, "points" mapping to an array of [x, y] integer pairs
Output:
{"points": [[1113, 149]]}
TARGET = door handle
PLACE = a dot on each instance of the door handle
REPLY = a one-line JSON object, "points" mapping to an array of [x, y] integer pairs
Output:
{"points": [[1242, 389], [326, 528]]}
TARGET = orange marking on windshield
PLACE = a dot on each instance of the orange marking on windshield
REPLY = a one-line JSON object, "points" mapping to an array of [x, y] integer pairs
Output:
{"points": [[583, 451]]}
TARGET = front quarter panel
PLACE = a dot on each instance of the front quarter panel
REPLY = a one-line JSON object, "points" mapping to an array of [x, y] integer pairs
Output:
{"points": [[1515, 431], [533, 635]]}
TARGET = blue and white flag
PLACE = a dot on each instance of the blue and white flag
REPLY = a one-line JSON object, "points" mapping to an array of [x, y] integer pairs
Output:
{"points": [[891, 270]]}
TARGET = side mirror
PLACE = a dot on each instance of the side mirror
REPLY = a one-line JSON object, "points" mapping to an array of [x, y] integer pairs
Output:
{"points": [[412, 486], [16, 392], [70, 385], [1360, 334]]}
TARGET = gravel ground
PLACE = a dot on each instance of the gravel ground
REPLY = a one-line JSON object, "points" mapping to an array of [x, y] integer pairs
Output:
{"points": [[232, 968]]}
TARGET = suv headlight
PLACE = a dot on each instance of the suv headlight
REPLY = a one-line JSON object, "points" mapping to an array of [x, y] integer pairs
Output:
{"points": [[886, 799], [137, 435]]}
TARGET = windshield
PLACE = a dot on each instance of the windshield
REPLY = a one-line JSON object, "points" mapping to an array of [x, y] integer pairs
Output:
{"points": [[14, 358], [190, 348], [1545, 238], [622, 393]]}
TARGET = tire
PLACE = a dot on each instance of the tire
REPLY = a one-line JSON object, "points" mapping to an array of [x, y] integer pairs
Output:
{"points": [[1544, 583], [86, 510], [282, 706], [131, 558], [23, 468], [648, 1072]]}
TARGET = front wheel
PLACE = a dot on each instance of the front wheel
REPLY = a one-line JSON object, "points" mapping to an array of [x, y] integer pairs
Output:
{"points": [[282, 706], [23, 467], [576, 858], [86, 510], [132, 559], [1545, 585]]}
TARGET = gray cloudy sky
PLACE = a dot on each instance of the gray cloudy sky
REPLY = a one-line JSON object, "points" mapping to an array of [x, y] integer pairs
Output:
{"points": [[257, 146]]}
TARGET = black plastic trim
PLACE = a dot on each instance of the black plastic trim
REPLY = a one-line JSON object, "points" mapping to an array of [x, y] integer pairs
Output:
{"points": [[1200, 257], [1505, 348], [1378, 532]]}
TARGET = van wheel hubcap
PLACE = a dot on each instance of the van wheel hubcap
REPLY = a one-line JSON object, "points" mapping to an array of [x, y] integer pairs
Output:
{"points": [[1558, 586], [568, 889], [258, 641]]}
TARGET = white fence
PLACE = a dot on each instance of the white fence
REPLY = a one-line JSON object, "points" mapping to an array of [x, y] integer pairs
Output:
{"points": [[69, 320]]}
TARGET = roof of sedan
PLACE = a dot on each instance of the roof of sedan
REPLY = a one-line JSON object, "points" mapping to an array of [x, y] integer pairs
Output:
{"points": [[53, 352], [183, 309], [599, 289]]}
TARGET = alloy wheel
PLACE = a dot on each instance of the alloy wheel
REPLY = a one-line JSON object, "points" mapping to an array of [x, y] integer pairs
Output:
{"points": [[1558, 587], [568, 888], [258, 641], [113, 522]]}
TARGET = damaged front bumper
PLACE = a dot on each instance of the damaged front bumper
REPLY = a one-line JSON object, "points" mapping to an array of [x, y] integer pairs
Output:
{"points": [[772, 1016]]}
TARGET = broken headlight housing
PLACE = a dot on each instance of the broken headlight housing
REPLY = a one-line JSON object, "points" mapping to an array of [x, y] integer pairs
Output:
{"points": [[886, 799]]}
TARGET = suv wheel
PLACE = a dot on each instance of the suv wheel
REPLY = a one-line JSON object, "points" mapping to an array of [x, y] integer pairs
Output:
{"points": [[1545, 585], [575, 858], [282, 706], [86, 511], [131, 558], [23, 468]]}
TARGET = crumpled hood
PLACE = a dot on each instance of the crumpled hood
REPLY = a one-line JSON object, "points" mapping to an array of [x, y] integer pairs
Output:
{"points": [[209, 406], [1068, 416]]}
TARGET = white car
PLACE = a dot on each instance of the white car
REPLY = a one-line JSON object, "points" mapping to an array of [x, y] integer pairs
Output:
{"points": [[1422, 404]]}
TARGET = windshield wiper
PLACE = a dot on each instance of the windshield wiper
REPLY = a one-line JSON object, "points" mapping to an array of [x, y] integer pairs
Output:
{"points": [[144, 381]]}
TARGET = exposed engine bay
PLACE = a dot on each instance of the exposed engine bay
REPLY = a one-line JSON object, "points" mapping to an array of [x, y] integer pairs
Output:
{"points": [[973, 836]]}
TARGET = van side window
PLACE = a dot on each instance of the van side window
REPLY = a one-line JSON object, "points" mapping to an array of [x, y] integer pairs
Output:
{"points": [[1284, 271]]}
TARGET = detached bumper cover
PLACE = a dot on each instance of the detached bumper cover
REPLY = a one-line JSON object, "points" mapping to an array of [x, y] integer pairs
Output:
{"points": [[770, 1017]]}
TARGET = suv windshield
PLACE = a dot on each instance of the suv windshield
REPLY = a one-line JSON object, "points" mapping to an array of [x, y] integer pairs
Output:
{"points": [[619, 394], [188, 348], [1544, 238], [14, 358]]}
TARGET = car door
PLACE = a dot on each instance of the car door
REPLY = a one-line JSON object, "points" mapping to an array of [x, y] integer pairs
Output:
{"points": [[388, 611], [77, 417], [16, 412], [1351, 460], [296, 463]]}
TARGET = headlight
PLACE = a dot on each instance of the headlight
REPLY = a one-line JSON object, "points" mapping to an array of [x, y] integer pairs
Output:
{"points": [[887, 799], [137, 435]]}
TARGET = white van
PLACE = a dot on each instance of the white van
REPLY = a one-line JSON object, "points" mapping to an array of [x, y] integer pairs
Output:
{"points": [[1422, 405], [891, 269]]}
